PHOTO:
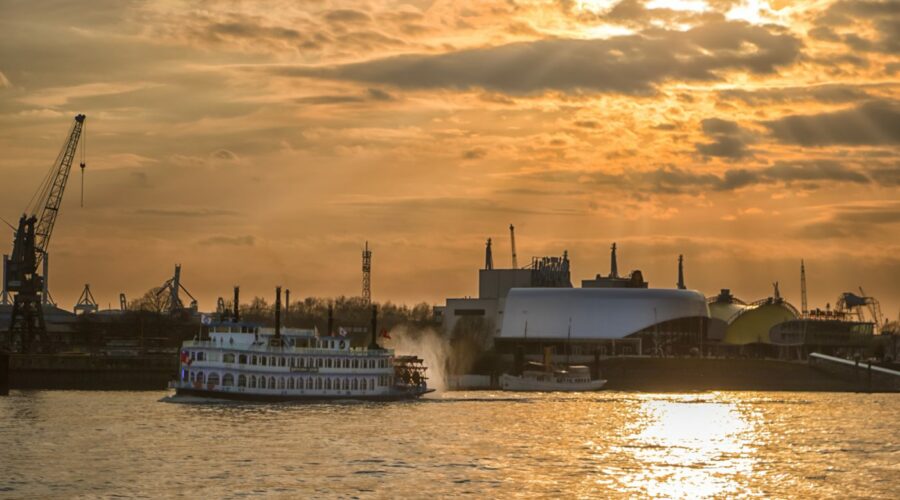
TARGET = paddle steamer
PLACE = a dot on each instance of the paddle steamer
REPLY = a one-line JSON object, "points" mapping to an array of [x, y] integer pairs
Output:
{"points": [[246, 362]]}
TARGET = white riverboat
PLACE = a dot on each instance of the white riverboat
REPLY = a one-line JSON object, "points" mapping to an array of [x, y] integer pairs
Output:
{"points": [[250, 363], [538, 378]]}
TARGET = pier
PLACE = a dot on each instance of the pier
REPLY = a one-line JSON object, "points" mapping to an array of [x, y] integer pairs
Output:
{"points": [[863, 374]]}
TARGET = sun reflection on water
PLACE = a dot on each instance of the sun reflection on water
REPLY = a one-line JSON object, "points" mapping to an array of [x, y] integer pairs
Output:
{"points": [[689, 447]]}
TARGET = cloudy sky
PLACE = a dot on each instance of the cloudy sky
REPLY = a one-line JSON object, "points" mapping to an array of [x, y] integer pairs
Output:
{"points": [[262, 143]]}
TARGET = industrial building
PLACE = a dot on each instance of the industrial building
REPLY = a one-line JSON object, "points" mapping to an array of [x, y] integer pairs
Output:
{"points": [[733, 322], [608, 321], [494, 286], [536, 307]]}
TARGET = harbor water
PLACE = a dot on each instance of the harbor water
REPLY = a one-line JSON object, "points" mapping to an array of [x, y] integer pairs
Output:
{"points": [[65, 444]]}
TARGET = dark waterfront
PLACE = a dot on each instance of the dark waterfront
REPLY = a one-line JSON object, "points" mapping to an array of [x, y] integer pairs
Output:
{"points": [[64, 444]]}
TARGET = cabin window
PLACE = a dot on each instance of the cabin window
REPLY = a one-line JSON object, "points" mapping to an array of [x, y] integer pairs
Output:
{"points": [[355, 384], [281, 383], [309, 383], [213, 379], [199, 377], [242, 381], [346, 384], [252, 381], [328, 363], [262, 360], [228, 380], [228, 358], [320, 362], [271, 382], [319, 383], [290, 383], [282, 362], [253, 360], [242, 359], [355, 363]]}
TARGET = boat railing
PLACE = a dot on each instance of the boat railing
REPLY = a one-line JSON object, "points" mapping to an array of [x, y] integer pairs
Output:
{"points": [[263, 347]]}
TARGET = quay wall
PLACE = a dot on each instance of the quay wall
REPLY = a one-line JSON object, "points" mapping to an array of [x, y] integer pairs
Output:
{"points": [[82, 372]]}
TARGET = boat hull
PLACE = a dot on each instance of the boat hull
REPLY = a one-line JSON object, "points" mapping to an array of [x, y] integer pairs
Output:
{"points": [[518, 384], [297, 398]]}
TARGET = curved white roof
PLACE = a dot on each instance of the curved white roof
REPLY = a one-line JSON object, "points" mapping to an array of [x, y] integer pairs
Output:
{"points": [[596, 313]]}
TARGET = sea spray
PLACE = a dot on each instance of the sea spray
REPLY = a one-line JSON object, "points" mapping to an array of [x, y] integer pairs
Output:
{"points": [[427, 344]]}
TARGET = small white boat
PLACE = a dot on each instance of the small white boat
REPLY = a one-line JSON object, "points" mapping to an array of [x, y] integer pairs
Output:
{"points": [[570, 379]]}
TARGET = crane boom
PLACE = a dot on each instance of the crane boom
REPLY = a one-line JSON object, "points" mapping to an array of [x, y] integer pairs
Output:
{"points": [[52, 192]]}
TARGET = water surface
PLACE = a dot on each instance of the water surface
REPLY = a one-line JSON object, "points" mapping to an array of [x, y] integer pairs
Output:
{"points": [[478, 444]]}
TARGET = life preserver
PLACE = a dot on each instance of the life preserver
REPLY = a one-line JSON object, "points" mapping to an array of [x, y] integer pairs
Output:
{"points": [[341, 344]]}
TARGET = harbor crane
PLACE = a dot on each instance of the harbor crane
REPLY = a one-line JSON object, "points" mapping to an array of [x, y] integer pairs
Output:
{"points": [[170, 292], [851, 304], [31, 242]]}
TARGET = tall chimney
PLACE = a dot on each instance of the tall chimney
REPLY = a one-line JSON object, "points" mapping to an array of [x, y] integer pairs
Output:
{"points": [[681, 272], [237, 303], [613, 265], [374, 344], [277, 312], [488, 256], [330, 320], [287, 306]]}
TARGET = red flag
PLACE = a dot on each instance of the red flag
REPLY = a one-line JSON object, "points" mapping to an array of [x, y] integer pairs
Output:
{"points": [[384, 333]]}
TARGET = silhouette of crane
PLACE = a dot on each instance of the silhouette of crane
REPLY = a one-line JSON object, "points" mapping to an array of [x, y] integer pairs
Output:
{"points": [[32, 239]]}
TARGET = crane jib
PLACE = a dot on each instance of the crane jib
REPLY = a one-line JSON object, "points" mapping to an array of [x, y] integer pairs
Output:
{"points": [[51, 200]]}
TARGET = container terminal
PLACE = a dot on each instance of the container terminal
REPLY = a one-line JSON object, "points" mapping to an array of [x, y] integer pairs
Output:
{"points": [[640, 337]]}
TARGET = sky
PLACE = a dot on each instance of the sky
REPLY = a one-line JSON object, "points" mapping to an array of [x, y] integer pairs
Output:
{"points": [[262, 143]]}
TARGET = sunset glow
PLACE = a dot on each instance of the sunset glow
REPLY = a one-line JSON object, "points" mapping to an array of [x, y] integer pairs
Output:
{"points": [[265, 143]]}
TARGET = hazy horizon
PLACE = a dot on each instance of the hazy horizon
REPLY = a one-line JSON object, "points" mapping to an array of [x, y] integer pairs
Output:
{"points": [[264, 146]]}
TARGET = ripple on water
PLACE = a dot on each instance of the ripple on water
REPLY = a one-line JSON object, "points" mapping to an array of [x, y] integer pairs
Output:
{"points": [[608, 444]]}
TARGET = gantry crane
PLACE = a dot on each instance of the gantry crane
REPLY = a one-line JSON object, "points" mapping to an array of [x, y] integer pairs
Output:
{"points": [[32, 240]]}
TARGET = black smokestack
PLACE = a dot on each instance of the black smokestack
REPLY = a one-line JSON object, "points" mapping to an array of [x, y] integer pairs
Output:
{"points": [[278, 311], [237, 304], [374, 344], [287, 306], [330, 320]]}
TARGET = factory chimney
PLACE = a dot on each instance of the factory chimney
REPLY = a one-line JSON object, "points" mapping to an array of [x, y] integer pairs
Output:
{"points": [[512, 242], [613, 266], [681, 273], [237, 304], [488, 256], [374, 344]]}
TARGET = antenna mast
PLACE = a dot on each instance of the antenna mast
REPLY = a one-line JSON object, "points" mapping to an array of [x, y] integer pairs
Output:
{"points": [[367, 274], [803, 305]]}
